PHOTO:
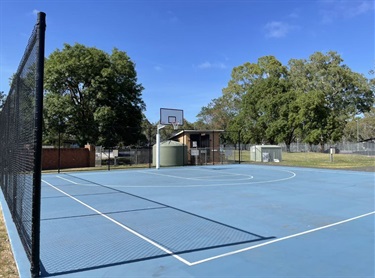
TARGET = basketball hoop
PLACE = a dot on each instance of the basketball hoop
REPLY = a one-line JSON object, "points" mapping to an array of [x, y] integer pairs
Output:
{"points": [[175, 125]]}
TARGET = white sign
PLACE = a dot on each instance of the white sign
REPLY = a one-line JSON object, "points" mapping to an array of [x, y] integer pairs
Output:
{"points": [[195, 144], [195, 152]]}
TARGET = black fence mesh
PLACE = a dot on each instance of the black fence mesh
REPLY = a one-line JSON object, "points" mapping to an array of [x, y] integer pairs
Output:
{"points": [[182, 147], [20, 144], [195, 148]]}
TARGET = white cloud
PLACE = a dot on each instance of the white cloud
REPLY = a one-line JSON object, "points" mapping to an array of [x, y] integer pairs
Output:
{"points": [[361, 8], [278, 29], [205, 65], [332, 10], [209, 65], [158, 68]]}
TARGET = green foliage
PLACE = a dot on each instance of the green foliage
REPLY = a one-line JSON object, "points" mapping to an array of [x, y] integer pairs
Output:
{"points": [[218, 113], [310, 100], [92, 96], [361, 128], [264, 101], [366, 127], [329, 94]]}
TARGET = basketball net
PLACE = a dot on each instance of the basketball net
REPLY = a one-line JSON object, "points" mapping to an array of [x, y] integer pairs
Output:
{"points": [[175, 125]]}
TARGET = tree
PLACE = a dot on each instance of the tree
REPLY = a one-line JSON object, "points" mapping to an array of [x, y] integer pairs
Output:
{"points": [[264, 102], [328, 95], [93, 95], [367, 125], [309, 100], [217, 114], [361, 128]]}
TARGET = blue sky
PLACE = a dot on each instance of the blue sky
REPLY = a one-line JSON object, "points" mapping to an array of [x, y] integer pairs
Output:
{"points": [[185, 50]]}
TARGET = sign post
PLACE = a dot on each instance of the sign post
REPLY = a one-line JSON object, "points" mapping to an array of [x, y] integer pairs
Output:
{"points": [[332, 151]]}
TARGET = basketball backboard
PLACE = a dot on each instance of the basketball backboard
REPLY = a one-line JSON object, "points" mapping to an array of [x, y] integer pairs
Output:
{"points": [[170, 116]]}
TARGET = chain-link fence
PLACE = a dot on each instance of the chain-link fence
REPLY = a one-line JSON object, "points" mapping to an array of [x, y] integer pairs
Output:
{"points": [[362, 148], [21, 144], [123, 156], [195, 147]]}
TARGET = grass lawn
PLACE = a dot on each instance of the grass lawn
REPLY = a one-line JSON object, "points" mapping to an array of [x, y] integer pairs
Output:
{"points": [[324, 160]]}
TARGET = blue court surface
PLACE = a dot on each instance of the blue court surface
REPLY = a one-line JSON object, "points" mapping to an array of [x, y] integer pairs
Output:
{"points": [[211, 221]]}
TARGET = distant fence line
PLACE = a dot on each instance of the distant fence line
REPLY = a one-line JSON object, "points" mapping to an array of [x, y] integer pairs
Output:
{"points": [[364, 148], [143, 156]]}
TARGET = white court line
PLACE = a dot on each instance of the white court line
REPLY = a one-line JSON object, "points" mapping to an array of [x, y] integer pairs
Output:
{"points": [[234, 183], [66, 180], [130, 186], [281, 239], [248, 177], [218, 182], [222, 177], [218, 256], [122, 226], [220, 173], [77, 183]]}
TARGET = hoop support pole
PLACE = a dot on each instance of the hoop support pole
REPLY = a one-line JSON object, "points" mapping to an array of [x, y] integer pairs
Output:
{"points": [[158, 145]]}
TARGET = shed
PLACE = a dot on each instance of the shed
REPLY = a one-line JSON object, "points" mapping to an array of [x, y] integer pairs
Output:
{"points": [[265, 153], [203, 146]]}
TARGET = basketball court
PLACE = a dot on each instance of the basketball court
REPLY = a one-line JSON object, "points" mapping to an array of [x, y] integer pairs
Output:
{"points": [[205, 221], [211, 221]]}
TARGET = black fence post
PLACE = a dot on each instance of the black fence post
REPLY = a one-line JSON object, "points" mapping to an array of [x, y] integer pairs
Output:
{"points": [[59, 152], [149, 147], [239, 146], [16, 140], [109, 159], [37, 179], [183, 147], [213, 147]]}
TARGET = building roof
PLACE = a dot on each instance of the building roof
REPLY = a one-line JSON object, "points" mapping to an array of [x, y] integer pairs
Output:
{"points": [[266, 147], [191, 131]]}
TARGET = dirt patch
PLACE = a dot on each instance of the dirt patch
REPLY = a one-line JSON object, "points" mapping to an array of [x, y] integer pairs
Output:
{"points": [[8, 267]]}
